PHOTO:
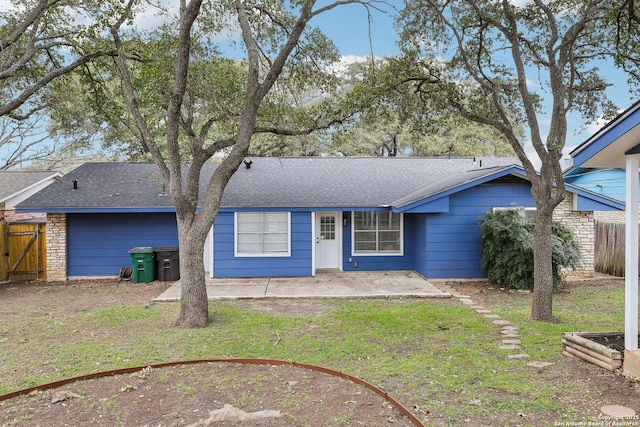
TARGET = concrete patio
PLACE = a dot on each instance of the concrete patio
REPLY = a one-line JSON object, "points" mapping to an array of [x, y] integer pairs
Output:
{"points": [[326, 284]]}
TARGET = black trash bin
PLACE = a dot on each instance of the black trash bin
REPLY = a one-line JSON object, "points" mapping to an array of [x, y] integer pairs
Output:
{"points": [[168, 263]]}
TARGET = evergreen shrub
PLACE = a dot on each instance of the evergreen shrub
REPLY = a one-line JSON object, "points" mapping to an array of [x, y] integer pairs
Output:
{"points": [[507, 249]]}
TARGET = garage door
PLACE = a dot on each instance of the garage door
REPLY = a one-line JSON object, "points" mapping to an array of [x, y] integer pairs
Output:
{"points": [[99, 244]]}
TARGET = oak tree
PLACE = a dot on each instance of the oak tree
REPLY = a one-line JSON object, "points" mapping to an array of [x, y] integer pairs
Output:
{"points": [[278, 42], [505, 65]]}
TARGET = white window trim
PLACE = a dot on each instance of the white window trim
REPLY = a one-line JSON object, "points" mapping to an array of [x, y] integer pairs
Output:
{"points": [[260, 255], [376, 254], [522, 210]]}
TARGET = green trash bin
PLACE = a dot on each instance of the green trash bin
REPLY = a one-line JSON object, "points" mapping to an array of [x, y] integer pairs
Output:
{"points": [[142, 264]]}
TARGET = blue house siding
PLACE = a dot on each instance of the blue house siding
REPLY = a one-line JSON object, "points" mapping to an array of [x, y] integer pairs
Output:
{"points": [[99, 244], [452, 240], [607, 182], [298, 264], [379, 263]]}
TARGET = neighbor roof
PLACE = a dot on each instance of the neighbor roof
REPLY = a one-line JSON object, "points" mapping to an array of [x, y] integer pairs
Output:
{"points": [[274, 182], [13, 183], [609, 145]]}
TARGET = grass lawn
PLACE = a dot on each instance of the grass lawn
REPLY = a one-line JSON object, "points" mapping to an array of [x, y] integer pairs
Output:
{"points": [[438, 357]]}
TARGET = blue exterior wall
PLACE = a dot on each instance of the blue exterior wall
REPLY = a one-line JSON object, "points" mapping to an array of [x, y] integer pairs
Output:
{"points": [[607, 182], [375, 262], [452, 242], [225, 264], [436, 245], [99, 244]]}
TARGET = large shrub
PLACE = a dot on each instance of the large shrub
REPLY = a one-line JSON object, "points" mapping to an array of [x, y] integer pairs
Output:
{"points": [[507, 249]]}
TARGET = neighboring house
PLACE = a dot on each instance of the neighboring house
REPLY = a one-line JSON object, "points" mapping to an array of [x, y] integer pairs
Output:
{"points": [[609, 182], [16, 186], [294, 216], [616, 146]]}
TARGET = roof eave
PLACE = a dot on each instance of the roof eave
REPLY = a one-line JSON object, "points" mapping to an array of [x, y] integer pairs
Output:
{"points": [[510, 170]]}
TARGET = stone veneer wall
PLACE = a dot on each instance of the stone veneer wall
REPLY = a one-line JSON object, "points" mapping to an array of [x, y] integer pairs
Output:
{"points": [[583, 226], [56, 246], [12, 216], [611, 216]]}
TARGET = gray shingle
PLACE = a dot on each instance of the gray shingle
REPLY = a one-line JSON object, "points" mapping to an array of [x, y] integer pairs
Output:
{"points": [[12, 182], [273, 182]]}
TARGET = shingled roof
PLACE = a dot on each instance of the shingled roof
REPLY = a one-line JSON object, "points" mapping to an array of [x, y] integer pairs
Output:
{"points": [[273, 182], [15, 182]]}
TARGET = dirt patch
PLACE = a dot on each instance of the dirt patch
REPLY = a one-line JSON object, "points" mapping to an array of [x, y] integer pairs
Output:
{"points": [[206, 393]]}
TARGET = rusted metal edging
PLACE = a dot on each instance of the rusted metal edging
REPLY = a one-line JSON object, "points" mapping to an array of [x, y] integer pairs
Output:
{"points": [[242, 361]]}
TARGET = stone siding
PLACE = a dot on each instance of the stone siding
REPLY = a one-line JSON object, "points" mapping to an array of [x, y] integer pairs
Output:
{"points": [[611, 216], [583, 226], [56, 247], [12, 216]]}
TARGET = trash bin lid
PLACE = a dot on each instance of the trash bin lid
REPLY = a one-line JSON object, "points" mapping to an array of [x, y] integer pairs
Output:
{"points": [[167, 249], [142, 250]]}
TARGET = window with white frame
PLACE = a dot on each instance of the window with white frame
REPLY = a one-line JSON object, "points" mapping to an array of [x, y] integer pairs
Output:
{"points": [[522, 211], [262, 233], [377, 233]]}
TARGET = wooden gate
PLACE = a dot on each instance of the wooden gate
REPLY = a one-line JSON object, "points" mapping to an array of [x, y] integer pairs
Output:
{"points": [[24, 250]]}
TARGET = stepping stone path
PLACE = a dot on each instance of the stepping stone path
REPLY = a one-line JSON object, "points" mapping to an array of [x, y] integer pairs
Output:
{"points": [[510, 337]]}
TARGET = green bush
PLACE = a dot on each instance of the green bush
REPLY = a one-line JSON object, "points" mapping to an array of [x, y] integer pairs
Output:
{"points": [[507, 249]]}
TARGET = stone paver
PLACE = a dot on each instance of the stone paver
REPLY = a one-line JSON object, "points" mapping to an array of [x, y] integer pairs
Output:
{"points": [[492, 316], [519, 356], [510, 337], [509, 347], [510, 334], [539, 364]]}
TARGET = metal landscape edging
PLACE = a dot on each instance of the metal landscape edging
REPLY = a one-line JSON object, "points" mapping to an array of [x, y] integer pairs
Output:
{"points": [[245, 361]]}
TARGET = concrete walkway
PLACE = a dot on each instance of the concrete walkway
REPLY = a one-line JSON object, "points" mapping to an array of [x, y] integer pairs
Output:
{"points": [[326, 284]]}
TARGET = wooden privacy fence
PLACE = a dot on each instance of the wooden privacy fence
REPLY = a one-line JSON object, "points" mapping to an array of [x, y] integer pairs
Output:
{"points": [[609, 248], [23, 250]]}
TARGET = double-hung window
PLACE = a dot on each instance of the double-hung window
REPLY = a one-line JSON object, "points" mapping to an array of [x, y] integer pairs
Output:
{"points": [[262, 234], [377, 233]]}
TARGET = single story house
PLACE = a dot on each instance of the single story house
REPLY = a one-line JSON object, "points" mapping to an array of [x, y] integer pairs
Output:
{"points": [[294, 216], [16, 186]]}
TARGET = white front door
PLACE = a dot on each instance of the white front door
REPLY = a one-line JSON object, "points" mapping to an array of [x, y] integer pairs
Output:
{"points": [[328, 240]]}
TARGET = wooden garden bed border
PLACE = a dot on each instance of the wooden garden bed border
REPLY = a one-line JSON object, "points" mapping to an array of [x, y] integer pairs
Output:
{"points": [[578, 344]]}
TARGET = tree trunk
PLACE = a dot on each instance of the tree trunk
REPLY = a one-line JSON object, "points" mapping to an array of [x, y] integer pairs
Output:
{"points": [[542, 308], [194, 303]]}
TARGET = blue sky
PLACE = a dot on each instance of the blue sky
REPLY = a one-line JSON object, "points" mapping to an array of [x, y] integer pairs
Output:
{"points": [[348, 26]]}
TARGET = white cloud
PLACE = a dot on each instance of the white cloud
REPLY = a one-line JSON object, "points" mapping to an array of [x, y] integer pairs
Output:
{"points": [[520, 3], [6, 6], [153, 16]]}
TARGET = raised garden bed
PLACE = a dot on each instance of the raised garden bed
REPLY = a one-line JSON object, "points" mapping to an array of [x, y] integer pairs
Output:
{"points": [[605, 349]]}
